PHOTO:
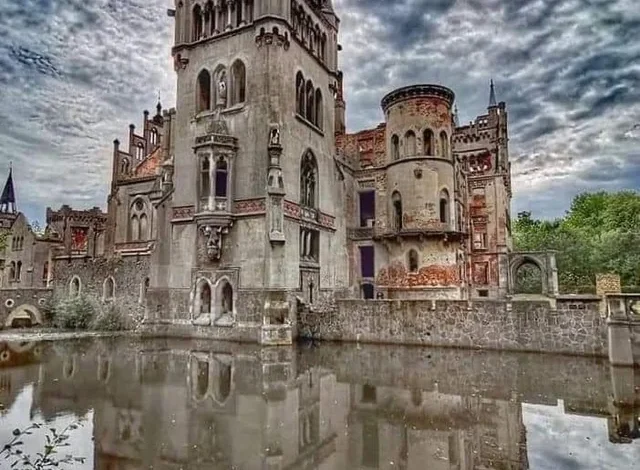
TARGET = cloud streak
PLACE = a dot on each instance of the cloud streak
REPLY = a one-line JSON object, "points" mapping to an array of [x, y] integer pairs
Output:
{"points": [[74, 74]]}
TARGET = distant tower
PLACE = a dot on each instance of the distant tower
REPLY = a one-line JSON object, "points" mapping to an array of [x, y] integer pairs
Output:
{"points": [[8, 199], [492, 96]]}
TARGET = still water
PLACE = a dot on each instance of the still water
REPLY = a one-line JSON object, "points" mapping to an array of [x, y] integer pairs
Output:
{"points": [[166, 404]]}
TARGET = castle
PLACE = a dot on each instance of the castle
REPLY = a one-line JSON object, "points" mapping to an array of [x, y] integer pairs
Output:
{"points": [[249, 201]]}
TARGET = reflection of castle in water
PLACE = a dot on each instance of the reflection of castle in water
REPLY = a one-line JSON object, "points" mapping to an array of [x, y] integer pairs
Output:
{"points": [[325, 408]]}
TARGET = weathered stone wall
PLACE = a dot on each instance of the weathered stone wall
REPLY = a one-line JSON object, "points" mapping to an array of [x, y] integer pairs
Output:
{"points": [[129, 274], [575, 327], [13, 300]]}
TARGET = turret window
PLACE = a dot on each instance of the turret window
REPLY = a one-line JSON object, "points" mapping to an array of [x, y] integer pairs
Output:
{"points": [[413, 261], [444, 145], [309, 101], [139, 151], [444, 206], [409, 144], [203, 97], [138, 221], [198, 22], [427, 142], [153, 137], [221, 178], [396, 201], [395, 147]]}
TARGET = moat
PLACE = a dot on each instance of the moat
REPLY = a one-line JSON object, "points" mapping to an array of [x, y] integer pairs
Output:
{"points": [[175, 404]]}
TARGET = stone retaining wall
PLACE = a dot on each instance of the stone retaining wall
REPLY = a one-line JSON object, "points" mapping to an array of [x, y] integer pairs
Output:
{"points": [[575, 326]]}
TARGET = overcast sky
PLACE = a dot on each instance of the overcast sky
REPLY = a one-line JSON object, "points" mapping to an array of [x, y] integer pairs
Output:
{"points": [[75, 73]]}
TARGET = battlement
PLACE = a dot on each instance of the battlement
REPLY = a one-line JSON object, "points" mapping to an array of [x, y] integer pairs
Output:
{"points": [[417, 91]]}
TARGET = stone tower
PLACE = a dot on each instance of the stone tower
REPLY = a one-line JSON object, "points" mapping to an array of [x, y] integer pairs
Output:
{"points": [[254, 212]]}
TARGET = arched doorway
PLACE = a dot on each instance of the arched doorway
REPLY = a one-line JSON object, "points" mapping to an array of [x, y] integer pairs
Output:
{"points": [[533, 273], [528, 279], [224, 314], [24, 316], [202, 303]]}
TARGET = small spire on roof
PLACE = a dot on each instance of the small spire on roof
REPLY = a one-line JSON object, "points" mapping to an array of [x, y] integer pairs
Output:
{"points": [[492, 96], [456, 117], [8, 198]]}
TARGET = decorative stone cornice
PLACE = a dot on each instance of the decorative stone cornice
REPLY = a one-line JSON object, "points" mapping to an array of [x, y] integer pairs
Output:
{"points": [[417, 91]]}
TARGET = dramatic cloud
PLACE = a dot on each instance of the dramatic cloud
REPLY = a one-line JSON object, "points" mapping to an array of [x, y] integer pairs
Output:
{"points": [[74, 74]]}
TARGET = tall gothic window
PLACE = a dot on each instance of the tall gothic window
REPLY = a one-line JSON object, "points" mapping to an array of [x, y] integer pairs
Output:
{"points": [[153, 136], [409, 144], [300, 94], [221, 178], [139, 151], [205, 180], [427, 142], [310, 95], [319, 114], [396, 201], [444, 145], [197, 23], [138, 221], [308, 180], [124, 166], [444, 206], [395, 147], [203, 91], [18, 270], [238, 82]]}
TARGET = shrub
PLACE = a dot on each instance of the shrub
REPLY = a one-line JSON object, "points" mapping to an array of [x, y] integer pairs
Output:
{"points": [[109, 318], [74, 313]]}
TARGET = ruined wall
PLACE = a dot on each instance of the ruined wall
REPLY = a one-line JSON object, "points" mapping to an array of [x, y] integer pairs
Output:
{"points": [[129, 274], [575, 327]]}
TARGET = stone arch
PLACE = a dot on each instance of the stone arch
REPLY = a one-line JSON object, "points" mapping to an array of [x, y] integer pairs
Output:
{"points": [[410, 144], [238, 82], [413, 261], [202, 302], [444, 145], [310, 97], [427, 142], [203, 95], [109, 289], [24, 314], [225, 302], [197, 23], [75, 286], [300, 94], [545, 262], [395, 147]]}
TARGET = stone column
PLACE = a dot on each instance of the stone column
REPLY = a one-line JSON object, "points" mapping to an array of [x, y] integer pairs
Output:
{"points": [[229, 18], [243, 13], [212, 183]]}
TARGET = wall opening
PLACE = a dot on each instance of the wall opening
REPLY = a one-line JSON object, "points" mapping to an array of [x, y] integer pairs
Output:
{"points": [[221, 178], [367, 262], [413, 261], [427, 142], [410, 144], [368, 291], [367, 208], [204, 91], [396, 200], [528, 279], [395, 147]]}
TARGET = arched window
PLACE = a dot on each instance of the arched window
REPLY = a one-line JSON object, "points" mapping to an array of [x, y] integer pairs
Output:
{"points": [[124, 166], [323, 46], [204, 296], [409, 144], [444, 206], [75, 287], [311, 109], [308, 180], [395, 147], [205, 181], [108, 289], [45, 272], [153, 136], [396, 200], [239, 8], [203, 98], [221, 178], [139, 222], [238, 82], [12, 271], [427, 142], [413, 261], [18, 270], [197, 23], [300, 96], [139, 151], [319, 114], [444, 145]]}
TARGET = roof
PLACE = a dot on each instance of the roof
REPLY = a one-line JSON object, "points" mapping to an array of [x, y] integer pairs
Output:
{"points": [[8, 193]]}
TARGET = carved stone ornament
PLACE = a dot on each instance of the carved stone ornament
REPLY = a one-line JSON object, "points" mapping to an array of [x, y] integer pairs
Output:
{"points": [[274, 135], [213, 240]]}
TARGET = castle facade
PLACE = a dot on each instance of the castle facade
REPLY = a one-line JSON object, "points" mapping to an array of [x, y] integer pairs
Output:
{"points": [[249, 201]]}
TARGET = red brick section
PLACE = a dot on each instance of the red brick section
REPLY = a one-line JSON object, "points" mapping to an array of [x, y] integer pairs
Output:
{"points": [[366, 147], [435, 108], [396, 275], [148, 166], [248, 206]]}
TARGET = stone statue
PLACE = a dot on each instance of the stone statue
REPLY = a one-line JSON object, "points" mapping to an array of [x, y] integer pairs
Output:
{"points": [[274, 138], [222, 90]]}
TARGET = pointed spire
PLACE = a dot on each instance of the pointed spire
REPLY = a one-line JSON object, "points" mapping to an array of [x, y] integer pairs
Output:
{"points": [[8, 198], [492, 96], [456, 117], [159, 105]]}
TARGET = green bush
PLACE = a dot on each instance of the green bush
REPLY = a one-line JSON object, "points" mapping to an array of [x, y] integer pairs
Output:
{"points": [[75, 313], [109, 318]]}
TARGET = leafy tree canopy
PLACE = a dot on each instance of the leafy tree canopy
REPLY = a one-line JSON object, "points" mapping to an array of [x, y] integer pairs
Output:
{"points": [[600, 233]]}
